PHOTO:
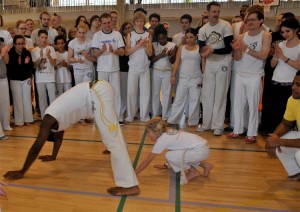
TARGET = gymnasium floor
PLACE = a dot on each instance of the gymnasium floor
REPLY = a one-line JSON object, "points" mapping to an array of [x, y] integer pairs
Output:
{"points": [[244, 178]]}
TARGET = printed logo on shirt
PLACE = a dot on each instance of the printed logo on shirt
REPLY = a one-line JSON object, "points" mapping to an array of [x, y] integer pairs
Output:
{"points": [[253, 45], [224, 68], [43, 65], [214, 38], [108, 41], [139, 40], [90, 74]]}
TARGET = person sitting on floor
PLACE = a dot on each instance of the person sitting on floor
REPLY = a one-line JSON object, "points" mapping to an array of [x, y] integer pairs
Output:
{"points": [[285, 143]]}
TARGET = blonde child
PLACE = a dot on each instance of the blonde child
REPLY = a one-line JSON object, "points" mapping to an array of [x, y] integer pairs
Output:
{"points": [[186, 153]]}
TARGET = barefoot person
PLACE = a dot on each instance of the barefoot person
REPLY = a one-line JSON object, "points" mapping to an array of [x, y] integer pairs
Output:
{"points": [[285, 143], [83, 101], [186, 153]]}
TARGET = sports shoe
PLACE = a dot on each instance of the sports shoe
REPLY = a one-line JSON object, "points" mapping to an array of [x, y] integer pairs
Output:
{"points": [[232, 136], [200, 128], [228, 129], [218, 132], [3, 138], [250, 140], [121, 123]]}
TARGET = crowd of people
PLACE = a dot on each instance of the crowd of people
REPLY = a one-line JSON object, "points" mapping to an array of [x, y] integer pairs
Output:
{"points": [[155, 75]]}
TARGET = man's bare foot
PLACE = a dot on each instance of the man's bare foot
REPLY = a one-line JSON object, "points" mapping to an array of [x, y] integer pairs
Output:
{"points": [[120, 191], [106, 152], [192, 173], [82, 121], [295, 177], [163, 166], [207, 168]]}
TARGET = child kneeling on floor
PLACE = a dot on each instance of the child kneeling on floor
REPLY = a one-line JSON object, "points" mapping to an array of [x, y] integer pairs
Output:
{"points": [[186, 153]]}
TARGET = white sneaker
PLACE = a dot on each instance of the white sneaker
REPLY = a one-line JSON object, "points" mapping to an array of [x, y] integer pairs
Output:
{"points": [[3, 138], [218, 132], [200, 128]]}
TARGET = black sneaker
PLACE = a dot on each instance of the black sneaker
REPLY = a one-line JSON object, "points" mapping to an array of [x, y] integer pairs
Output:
{"points": [[121, 123], [228, 129]]}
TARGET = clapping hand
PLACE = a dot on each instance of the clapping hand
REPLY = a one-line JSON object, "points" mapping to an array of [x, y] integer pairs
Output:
{"points": [[236, 46]]}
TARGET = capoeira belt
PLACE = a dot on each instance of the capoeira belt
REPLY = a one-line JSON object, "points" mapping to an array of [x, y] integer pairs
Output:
{"points": [[162, 69], [92, 83], [281, 83]]}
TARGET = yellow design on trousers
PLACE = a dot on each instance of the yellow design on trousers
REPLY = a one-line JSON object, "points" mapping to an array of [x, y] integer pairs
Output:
{"points": [[111, 127]]}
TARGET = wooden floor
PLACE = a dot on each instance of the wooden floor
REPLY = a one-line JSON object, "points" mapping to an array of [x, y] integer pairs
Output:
{"points": [[244, 177]]}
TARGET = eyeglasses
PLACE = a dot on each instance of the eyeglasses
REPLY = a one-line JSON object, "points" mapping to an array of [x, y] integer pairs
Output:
{"points": [[22, 28], [20, 44], [252, 19]]}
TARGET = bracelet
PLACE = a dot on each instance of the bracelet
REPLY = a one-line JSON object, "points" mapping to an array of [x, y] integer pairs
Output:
{"points": [[287, 60]]}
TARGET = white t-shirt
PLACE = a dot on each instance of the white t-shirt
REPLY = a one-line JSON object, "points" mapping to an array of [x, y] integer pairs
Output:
{"points": [[107, 61], [214, 36], [78, 49], [164, 62], [177, 39], [28, 43], [284, 72], [180, 141], [52, 33], [77, 100], [5, 35], [139, 57], [45, 72], [63, 74]]}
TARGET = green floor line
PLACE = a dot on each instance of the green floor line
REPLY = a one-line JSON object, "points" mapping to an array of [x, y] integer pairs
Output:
{"points": [[177, 199], [137, 157]]}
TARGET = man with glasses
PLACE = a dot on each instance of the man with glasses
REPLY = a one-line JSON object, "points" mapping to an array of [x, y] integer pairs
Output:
{"points": [[251, 49]]}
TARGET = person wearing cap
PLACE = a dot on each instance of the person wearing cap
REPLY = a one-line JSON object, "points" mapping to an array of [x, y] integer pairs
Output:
{"points": [[186, 153]]}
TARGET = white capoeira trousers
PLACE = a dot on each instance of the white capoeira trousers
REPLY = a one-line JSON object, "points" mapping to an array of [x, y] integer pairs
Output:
{"points": [[123, 83], [62, 87], [1, 131], [214, 95], [192, 157], [138, 78], [290, 157], [114, 79], [4, 104], [43, 89], [232, 92], [102, 95], [21, 93], [161, 81], [190, 87], [247, 92], [83, 75]]}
